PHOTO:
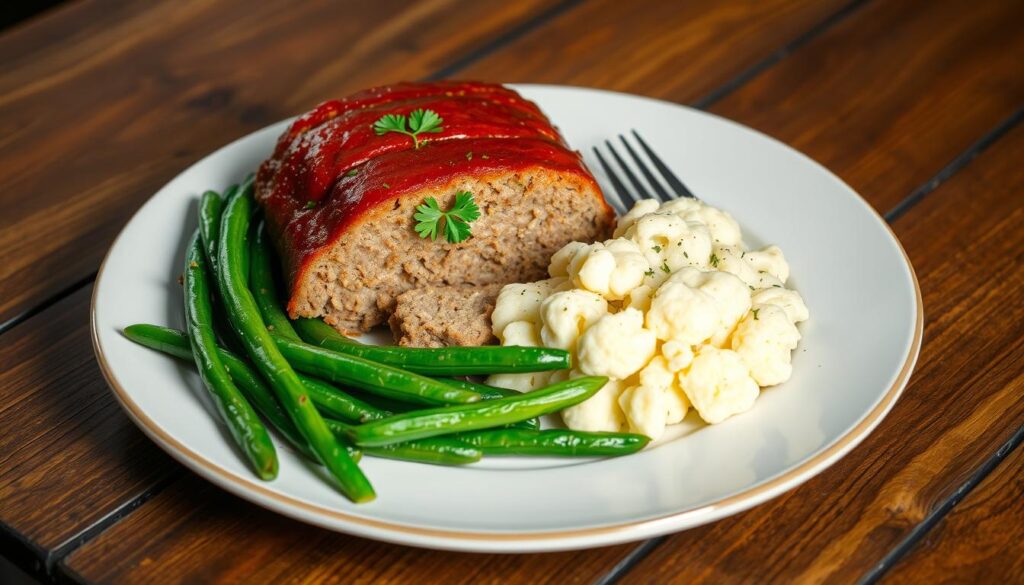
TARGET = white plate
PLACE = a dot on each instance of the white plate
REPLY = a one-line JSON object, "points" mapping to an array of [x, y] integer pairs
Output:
{"points": [[857, 352]]}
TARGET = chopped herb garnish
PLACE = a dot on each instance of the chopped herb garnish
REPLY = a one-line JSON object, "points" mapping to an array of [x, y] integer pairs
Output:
{"points": [[777, 286], [649, 273], [469, 155], [416, 123], [657, 249], [685, 255], [714, 260], [310, 204], [352, 173], [755, 314], [751, 287], [743, 254], [456, 220], [665, 268], [385, 185]]}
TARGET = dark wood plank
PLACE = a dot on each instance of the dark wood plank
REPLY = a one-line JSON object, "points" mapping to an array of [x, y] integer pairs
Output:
{"points": [[884, 98], [68, 455], [195, 533], [676, 50], [982, 540], [103, 102], [964, 401]]}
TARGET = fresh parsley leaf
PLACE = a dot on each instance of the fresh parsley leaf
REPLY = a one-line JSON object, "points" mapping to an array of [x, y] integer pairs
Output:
{"points": [[416, 123], [310, 204], [665, 268], [657, 249], [714, 260], [649, 273], [352, 173], [431, 219]]}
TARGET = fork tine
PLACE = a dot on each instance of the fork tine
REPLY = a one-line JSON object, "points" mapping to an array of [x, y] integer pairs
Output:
{"points": [[672, 180], [624, 196], [662, 193], [640, 189]]}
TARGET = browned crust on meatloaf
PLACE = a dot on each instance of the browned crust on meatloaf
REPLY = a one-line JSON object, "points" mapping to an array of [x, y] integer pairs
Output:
{"points": [[526, 216], [442, 316]]}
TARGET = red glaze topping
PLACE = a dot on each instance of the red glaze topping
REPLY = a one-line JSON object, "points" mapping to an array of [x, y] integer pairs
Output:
{"points": [[330, 169]]}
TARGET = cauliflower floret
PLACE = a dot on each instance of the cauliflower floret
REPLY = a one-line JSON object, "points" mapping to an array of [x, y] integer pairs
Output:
{"points": [[669, 241], [724, 229], [789, 300], [559, 265], [718, 384], [566, 315], [685, 314], [729, 295], [765, 339], [616, 345], [527, 382], [521, 302], [769, 259], [645, 410], [682, 206], [659, 374], [600, 412], [640, 209], [522, 333], [678, 354], [639, 298], [611, 269]]}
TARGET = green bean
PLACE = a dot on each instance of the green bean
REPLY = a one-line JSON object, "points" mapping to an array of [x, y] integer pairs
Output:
{"points": [[248, 325], [554, 442], [470, 417], [438, 450], [210, 207], [488, 392], [175, 343], [440, 361], [245, 427], [328, 399], [369, 376], [261, 282]]}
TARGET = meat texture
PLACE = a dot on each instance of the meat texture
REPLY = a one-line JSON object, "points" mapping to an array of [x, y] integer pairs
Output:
{"points": [[446, 315], [339, 200]]}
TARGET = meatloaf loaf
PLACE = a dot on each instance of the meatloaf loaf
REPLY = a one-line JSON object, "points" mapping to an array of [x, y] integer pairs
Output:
{"points": [[339, 199]]}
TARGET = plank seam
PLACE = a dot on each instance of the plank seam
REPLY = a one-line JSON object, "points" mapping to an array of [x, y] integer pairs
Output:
{"points": [[933, 518], [988, 139], [772, 59]]}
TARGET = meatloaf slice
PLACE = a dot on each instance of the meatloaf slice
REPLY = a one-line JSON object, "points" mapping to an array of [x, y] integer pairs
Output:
{"points": [[442, 316], [342, 217]]}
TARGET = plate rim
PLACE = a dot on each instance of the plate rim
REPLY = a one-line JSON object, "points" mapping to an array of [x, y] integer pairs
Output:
{"points": [[520, 541]]}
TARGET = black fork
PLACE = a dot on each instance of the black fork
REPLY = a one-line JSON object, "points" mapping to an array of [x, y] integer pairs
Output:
{"points": [[627, 198]]}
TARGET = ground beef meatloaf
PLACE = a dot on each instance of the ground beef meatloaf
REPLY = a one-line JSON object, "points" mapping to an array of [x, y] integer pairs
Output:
{"points": [[447, 315], [339, 199]]}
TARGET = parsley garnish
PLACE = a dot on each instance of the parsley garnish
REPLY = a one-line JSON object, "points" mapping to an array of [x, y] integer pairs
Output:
{"points": [[352, 173], [685, 255], [649, 273], [310, 204], [429, 218], [416, 123], [755, 314], [469, 155], [714, 260], [665, 268], [657, 249]]}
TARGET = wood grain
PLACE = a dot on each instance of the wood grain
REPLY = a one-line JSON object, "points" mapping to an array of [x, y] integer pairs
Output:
{"points": [[965, 399], [676, 50], [68, 454], [103, 102], [884, 98], [194, 533], [981, 541]]}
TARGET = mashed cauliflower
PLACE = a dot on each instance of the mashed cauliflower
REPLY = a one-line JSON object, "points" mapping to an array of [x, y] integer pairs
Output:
{"points": [[674, 310]]}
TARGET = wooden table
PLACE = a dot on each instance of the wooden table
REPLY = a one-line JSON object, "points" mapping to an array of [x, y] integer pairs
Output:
{"points": [[917, 104]]}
